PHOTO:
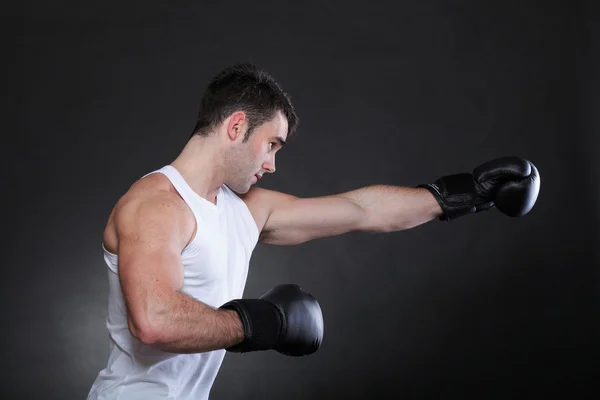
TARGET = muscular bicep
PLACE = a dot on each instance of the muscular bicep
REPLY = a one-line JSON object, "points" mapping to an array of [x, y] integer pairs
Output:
{"points": [[151, 233], [296, 220]]}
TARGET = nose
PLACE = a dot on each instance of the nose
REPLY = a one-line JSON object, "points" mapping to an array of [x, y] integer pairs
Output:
{"points": [[269, 165]]}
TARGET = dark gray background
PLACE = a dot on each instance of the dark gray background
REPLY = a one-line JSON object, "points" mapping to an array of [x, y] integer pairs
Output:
{"points": [[399, 93]]}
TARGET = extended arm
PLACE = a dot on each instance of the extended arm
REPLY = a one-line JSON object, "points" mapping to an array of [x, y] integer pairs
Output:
{"points": [[393, 208], [379, 208], [510, 183]]}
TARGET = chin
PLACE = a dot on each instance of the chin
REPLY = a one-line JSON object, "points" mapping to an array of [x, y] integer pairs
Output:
{"points": [[240, 189]]}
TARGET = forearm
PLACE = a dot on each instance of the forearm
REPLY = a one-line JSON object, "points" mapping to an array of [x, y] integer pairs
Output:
{"points": [[181, 324], [394, 208]]}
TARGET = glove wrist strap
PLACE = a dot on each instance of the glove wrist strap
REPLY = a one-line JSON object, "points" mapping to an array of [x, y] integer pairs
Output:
{"points": [[456, 195], [262, 322]]}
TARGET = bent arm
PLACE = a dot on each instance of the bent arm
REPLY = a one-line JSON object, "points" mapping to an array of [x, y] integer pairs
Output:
{"points": [[379, 208], [186, 325], [152, 233]]}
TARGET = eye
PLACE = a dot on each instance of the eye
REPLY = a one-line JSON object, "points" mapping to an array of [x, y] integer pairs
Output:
{"points": [[271, 145]]}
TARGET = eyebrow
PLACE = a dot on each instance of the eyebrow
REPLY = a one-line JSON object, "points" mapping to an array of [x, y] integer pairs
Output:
{"points": [[280, 140]]}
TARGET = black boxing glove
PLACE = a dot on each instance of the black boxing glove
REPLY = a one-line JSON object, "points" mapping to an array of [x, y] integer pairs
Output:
{"points": [[285, 319], [510, 184]]}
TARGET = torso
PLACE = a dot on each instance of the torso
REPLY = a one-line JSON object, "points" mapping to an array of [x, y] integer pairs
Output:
{"points": [[254, 200]]}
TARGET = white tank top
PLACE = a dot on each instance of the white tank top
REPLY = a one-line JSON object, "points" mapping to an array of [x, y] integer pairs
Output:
{"points": [[215, 265]]}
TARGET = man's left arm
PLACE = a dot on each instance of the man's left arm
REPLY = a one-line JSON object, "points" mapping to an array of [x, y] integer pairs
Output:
{"points": [[377, 208], [511, 184]]}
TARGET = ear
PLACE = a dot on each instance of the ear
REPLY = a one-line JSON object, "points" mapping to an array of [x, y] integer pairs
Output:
{"points": [[237, 125]]}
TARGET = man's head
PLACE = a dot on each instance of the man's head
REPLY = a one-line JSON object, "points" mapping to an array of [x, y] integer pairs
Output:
{"points": [[243, 87], [252, 118]]}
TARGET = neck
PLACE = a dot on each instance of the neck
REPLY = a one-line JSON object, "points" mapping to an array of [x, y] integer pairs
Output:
{"points": [[201, 165]]}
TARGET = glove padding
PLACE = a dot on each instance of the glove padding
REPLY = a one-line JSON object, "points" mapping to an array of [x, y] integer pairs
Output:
{"points": [[285, 319], [510, 184]]}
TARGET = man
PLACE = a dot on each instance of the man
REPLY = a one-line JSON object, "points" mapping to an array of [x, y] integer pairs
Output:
{"points": [[178, 243]]}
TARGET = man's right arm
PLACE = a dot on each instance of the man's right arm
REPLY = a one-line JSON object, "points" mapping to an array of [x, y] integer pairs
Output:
{"points": [[152, 233]]}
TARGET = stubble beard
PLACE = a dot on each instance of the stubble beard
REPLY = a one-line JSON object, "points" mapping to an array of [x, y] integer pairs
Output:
{"points": [[237, 176]]}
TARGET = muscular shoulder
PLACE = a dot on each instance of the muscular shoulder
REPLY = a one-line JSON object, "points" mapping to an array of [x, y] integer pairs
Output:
{"points": [[261, 203], [150, 200]]}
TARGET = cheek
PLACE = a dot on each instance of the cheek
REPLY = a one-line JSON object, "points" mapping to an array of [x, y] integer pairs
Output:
{"points": [[259, 149], [263, 152]]}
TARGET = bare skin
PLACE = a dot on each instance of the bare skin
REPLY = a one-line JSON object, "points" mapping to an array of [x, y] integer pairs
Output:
{"points": [[151, 224]]}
